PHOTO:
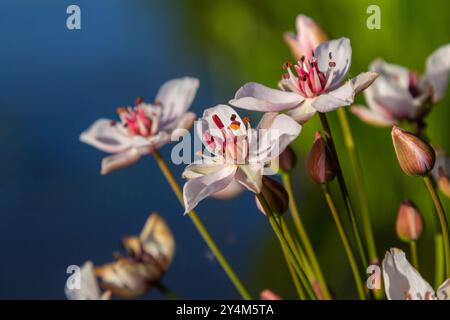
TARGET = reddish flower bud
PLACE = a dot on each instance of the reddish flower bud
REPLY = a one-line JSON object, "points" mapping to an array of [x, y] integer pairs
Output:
{"points": [[287, 160], [409, 224], [320, 164], [268, 294], [275, 195], [415, 156]]}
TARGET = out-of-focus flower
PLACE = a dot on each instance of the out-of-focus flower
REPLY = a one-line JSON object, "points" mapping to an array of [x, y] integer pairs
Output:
{"points": [[309, 36], [409, 225], [144, 127], [268, 294], [239, 153], [415, 156], [441, 171], [316, 87], [89, 288], [400, 94], [320, 163], [403, 282], [275, 195]]}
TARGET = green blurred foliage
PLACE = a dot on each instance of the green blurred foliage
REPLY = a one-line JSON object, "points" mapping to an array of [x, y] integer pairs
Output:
{"points": [[242, 41]]}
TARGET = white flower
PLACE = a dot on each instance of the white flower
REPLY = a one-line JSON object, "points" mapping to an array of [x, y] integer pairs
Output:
{"points": [[400, 94], [403, 282], [89, 288], [316, 87], [239, 153], [441, 170], [145, 127]]}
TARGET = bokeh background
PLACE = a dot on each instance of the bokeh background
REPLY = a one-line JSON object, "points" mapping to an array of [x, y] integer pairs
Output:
{"points": [[56, 209]]}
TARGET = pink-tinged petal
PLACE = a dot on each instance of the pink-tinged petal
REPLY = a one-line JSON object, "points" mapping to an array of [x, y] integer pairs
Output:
{"points": [[89, 288], [304, 112], [340, 97], [393, 98], [106, 135], [363, 80], [291, 40], [202, 167], [269, 295], [371, 117], [254, 96], [443, 293], [120, 160], [232, 190], [437, 71], [175, 97], [401, 280], [341, 55], [250, 176], [186, 121], [274, 133], [309, 35], [392, 73], [195, 190]]}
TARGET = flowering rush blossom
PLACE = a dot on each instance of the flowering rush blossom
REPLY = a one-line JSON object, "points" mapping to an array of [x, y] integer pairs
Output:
{"points": [[144, 127], [403, 282], [237, 152], [401, 94], [311, 85], [309, 36]]}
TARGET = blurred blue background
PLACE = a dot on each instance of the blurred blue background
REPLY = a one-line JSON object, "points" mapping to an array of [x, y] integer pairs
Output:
{"points": [[56, 209]]}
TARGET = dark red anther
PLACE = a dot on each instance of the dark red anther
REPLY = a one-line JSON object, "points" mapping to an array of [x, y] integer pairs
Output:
{"points": [[217, 121], [285, 76], [287, 65], [138, 101], [330, 55]]}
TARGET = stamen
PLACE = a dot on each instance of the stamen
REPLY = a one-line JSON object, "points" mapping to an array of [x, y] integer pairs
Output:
{"points": [[285, 76], [235, 125], [233, 117], [287, 65], [138, 101], [217, 121], [246, 119], [332, 64], [330, 55], [112, 123]]}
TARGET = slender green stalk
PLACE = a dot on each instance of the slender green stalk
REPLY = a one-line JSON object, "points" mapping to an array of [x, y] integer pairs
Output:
{"points": [[201, 228], [306, 242], [438, 260], [442, 220], [345, 242], [359, 178], [169, 294], [285, 245], [298, 286], [414, 256], [344, 191]]}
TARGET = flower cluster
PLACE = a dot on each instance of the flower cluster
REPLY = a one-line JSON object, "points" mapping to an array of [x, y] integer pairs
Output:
{"points": [[236, 156]]}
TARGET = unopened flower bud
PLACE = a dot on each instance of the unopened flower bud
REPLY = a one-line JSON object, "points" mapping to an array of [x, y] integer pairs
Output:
{"points": [[268, 294], [287, 160], [441, 170], [409, 224], [444, 185], [275, 195], [320, 164], [415, 156]]}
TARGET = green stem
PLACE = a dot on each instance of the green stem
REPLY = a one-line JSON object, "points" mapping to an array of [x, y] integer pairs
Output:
{"points": [[169, 294], [284, 244], [201, 228], [345, 242], [442, 220], [414, 256], [359, 178], [298, 287], [344, 191], [304, 236], [438, 260]]}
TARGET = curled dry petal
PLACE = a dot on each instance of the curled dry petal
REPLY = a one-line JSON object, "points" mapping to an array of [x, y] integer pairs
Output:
{"points": [[415, 156]]}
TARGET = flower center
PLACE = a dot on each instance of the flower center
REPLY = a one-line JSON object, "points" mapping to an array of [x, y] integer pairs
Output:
{"points": [[140, 120], [225, 140], [310, 81]]}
